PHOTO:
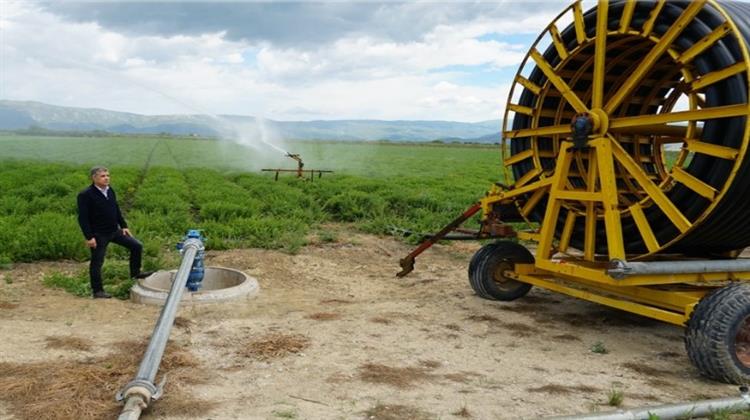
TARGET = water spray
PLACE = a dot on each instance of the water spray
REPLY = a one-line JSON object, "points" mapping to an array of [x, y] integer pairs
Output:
{"points": [[225, 126]]}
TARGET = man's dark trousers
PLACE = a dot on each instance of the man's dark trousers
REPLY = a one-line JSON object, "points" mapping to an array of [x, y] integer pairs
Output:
{"points": [[98, 253]]}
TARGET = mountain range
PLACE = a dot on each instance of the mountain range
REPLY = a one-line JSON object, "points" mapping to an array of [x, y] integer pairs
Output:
{"points": [[21, 115]]}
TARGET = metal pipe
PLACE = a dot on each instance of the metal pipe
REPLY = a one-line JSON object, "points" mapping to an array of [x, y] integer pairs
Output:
{"points": [[695, 409], [619, 269], [141, 390]]}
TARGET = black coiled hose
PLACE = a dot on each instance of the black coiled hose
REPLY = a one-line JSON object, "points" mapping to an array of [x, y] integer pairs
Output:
{"points": [[715, 230]]}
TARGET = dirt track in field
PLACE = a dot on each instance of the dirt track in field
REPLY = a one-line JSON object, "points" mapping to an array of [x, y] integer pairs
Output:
{"points": [[334, 335]]}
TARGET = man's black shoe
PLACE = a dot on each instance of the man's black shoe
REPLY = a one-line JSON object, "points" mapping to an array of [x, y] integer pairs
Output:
{"points": [[143, 274], [102, 295]]}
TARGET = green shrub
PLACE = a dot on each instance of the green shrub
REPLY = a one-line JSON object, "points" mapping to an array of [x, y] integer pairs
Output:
{"points": [[5, 262], [55, 189], [354, 206], [599, 348], [115, 278], [615, 398], [78, 285], [327, 236], [224, 212], [48, 236]]}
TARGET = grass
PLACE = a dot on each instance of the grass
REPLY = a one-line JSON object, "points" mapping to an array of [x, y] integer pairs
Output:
{"points": [[5, 262], [115, 278], [396, 412], [75, 285], [368, 160], [615, 398], [327, 236], [559, 389], [285, 414], [599, 348], [730, 414]]}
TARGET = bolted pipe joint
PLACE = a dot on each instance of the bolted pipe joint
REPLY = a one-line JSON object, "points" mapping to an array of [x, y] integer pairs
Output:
{"points": [[618, 269], [144, 389], [193, 238]]}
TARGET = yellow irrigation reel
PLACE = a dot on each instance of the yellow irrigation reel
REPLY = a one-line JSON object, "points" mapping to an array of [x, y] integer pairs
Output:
{"points": [[626, 137]]}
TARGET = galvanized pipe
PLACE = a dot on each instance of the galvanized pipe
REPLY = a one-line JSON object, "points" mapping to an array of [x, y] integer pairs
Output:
{"points": [[619, 269], [697, 409], [141, 390]]}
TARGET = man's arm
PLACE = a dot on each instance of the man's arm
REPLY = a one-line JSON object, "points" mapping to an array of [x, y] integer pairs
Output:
{"points": [[120, 219], [83, 216]]}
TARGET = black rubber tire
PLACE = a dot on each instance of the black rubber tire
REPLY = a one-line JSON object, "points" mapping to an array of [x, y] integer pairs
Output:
{"points": [[479, 255], [711, 336], [489, 261]]}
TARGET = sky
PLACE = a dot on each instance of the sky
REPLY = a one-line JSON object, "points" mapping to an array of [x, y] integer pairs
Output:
{"points": [[287, 61]]}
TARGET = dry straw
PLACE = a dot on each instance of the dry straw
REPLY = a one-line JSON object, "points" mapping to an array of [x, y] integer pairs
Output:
{"points": [[85, 389], [274, 345]]}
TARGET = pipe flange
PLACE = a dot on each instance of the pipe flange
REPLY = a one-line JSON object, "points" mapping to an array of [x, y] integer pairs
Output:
{"points": [[618, 269], [141, 387], [197, 243]]}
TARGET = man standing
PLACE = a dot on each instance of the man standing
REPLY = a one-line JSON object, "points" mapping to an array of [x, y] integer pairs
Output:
{"points": [[101, 223]]}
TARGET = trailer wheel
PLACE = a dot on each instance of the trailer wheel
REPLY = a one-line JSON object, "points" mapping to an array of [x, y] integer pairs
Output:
{"points": [[489, 264], [717, 338], [479, 255]]}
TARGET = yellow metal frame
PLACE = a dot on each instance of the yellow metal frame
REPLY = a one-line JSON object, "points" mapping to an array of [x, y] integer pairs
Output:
{"points": [[668, 297]]}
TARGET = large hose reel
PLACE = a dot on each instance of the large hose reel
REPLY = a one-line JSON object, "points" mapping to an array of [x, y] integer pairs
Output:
{"points": [[628, 141], [631, 82]]}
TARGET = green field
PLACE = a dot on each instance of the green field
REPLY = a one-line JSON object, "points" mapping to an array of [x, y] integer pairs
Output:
{"points": [[168, 185]]}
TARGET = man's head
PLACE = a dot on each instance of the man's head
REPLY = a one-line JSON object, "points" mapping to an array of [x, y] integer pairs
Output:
{"points": [[100, 176]]}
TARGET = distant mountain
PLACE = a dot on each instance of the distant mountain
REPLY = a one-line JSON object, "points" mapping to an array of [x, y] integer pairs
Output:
{"points": [[16, 115]]}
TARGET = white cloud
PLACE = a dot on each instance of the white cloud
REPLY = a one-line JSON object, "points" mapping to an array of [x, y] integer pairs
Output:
{"points": [[49, 59]]}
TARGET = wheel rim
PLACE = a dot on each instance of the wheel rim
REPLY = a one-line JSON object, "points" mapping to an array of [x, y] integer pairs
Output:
{"points": [[742, 343], [607, 73], [501, 281]]}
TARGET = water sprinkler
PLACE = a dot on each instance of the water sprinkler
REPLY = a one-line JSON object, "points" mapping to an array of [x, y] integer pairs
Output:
{"points": [[300, 164], [300, 171]]}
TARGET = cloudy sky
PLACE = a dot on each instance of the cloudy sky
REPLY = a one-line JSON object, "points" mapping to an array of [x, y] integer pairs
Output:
{"points": [[284, 61]]}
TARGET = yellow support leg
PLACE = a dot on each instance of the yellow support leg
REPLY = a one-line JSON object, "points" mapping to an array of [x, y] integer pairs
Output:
{"points": [[608, 182], [589, 244], [549, 222]]}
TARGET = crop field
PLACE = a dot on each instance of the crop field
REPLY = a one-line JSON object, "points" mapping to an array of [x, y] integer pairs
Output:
{"points": [[168, 185]]}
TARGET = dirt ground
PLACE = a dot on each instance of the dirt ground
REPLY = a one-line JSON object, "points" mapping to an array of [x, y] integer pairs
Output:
{"points": [[333, 334]]}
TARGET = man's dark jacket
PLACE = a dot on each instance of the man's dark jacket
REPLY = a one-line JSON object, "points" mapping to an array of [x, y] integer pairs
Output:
{"points": [[97, 214]]}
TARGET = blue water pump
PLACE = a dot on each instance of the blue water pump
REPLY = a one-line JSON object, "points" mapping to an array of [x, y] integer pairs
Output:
{"points": [[195, 278]]}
